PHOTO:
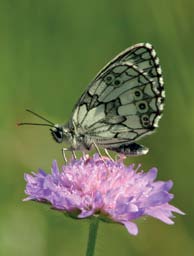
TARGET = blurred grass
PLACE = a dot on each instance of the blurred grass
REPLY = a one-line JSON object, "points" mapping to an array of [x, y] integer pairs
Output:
{"points": [[50, 51]]}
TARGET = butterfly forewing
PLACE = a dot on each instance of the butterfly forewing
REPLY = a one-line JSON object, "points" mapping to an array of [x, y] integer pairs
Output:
{"points": [[145, 58], [124, 102]]}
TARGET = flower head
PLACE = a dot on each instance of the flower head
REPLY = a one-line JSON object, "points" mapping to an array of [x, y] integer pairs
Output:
{"points": [[99, 186]]}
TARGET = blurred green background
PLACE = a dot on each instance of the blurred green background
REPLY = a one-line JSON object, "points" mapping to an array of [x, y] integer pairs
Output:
{"points": [[49, 52]]}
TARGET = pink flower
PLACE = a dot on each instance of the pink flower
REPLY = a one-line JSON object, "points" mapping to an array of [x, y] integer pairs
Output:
{"points": [[95, 186]]}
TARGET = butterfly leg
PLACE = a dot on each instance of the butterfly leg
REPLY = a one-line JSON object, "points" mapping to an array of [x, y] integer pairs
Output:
{"points": [[107, 153], [101, 156], [97, 149], [84, 155], [73, 154], [64, 155]]}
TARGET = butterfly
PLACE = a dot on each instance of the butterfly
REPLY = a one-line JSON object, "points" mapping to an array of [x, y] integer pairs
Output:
{"points": [[121, 105]]}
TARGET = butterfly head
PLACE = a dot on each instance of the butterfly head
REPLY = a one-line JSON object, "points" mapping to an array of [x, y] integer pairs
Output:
{"points": [[61, 133], [58, 133]]}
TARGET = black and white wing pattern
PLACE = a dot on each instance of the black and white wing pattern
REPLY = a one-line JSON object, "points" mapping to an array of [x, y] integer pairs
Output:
{"points": [[123, 103]]}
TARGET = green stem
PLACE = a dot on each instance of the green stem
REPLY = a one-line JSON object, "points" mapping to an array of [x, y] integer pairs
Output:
{"points": [[92, 236]]}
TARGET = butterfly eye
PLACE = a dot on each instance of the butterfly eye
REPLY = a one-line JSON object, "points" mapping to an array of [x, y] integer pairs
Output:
{"points": [[117, 82], [138, 94], [109, 78], [145, 120], [142, 106], [57, 134]]}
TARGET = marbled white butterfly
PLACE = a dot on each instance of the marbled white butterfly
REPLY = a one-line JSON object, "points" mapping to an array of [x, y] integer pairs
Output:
{"points": [[122, 104]]}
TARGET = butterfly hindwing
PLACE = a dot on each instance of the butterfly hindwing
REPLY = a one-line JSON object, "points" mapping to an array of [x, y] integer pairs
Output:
{"points": [[123, 103]]}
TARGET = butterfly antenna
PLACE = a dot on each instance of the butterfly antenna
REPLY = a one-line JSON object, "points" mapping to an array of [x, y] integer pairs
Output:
{"points": [[50, 124], [41, 117], [19, 124]]}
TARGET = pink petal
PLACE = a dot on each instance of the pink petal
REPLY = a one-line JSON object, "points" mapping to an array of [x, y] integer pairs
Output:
{"points": [[131, 227]]}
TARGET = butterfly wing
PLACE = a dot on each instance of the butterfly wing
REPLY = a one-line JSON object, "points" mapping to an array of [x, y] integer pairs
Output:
{"points": [[144, 57], [123, 103]]}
